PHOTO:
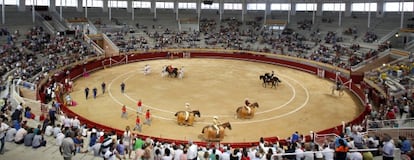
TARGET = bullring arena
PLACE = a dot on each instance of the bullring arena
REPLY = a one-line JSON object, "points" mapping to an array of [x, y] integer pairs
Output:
{"points": [[216, 87]]}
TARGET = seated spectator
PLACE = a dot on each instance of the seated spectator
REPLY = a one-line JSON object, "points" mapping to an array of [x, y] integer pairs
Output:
{"points": [[56, 130], [49, 130], [20, 134], [28, 138], [10, 134], [38, 140]]}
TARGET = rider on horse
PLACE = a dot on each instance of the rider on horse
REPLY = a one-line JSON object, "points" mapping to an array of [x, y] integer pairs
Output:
{"points": [[269, 76], [216, 123], [247, 103], [170, 68], [188, 111], [338, 85]]}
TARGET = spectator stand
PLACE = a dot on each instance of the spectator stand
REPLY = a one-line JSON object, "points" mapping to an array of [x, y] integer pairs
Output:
{"points": [[278, 25], [37, 108], [188, 25], [394, 128]]}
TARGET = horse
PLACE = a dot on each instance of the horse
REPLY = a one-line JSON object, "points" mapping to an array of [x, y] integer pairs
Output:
{"points": [[340, 88], [210, 133], [172, 72], [191, 116], [243, 112], [274, 81]]}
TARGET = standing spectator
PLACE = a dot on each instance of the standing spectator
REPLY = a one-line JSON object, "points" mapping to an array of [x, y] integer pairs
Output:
{"points": [[341, 150], [405, 145], [127, 139], [95, 92], [52, 115], [295, 137], [3, 129], [137, 124], [103, 86], [76, 123], [86, 92], [68, 146], [124, 113], [388, 148], [192, 151], [139, 104], [122, 87], [148, 118]]}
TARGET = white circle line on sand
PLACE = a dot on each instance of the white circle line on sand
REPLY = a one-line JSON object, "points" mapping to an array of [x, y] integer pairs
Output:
{"points": [[117, 101], [285, 114], [251, 121]]}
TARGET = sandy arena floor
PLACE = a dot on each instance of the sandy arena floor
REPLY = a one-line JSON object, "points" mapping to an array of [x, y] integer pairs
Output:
{"points": [[302, 102]]}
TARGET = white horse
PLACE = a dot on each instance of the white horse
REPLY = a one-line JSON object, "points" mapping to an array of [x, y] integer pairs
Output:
{"points": [[147, 69], [339, 88], [164, 71]]}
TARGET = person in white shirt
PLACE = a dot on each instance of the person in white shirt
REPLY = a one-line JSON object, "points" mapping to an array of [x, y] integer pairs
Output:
{"points": [[178, 151], [10, 134], [20, 135], [75, 123], [3, 129], [192, 151], [59, 138], [354, 156], [299, 153], [225, 155], [56, 130], [49, 130], [328, 153]]}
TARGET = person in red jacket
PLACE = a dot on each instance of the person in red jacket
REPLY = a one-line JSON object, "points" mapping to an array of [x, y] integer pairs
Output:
{"points": [[148, 118], [139, 109], [137, 124]]}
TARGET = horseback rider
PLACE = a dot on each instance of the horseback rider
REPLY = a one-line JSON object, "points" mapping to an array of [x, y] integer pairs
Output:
{"points": [[269, 76], [187, 111], [338, 85], [147, 69], [170, 68], [247, 105], [216, 123]]}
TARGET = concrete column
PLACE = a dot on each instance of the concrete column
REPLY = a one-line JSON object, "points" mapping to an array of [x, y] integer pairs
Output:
{"points": [[348, 12], [380, 9], [244, 9], [292, 8], [52, 5], [221, 9], [268, 10], [153, 8], [176, 10], [22, 5], [3, 13], [129, 6], [198, 8], [105, 5], [79, 8], [319, 9]]}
